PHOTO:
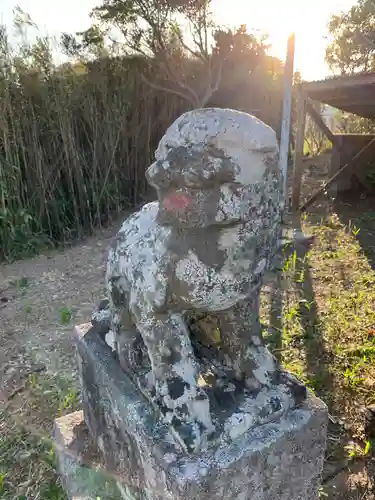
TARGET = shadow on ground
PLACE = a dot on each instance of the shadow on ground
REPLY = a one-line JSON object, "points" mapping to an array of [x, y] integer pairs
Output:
{"points": [[355, 482], [311, 339], [307, 343], [359, 215]]}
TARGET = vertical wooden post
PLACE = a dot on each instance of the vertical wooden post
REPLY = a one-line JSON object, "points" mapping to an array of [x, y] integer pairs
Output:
{"points": [[334, 167], [287, 109], [298, 153]]}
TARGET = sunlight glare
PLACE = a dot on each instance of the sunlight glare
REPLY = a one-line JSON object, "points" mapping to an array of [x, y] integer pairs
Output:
{"points": [[308, 20]]}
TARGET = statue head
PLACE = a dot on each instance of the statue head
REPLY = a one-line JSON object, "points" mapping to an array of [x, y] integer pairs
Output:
{"points": [[213, 166]]}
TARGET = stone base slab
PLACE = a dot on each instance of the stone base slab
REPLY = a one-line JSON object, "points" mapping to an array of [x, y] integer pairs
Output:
{"points": [[281, 460], [82, 474]]}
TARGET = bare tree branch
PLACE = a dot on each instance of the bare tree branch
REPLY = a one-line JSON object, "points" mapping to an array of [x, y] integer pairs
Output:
{"points": [[211, 88], [154, 31], [167, 89]]}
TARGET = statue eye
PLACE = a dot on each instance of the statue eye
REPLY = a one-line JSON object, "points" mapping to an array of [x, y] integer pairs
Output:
{"points": [[193, 179]]}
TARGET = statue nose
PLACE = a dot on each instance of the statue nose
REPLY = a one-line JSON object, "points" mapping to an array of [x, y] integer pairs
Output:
{"points": [[158, 176]]}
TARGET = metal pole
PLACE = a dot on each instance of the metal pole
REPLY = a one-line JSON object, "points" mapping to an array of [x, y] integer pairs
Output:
{"points": [[287, 109]]}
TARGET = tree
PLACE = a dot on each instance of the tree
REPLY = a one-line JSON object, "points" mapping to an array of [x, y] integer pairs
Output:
{"points": [[89, 44], [22, 58], [174, 36], [251, 78], [315, 139], [185, 53], [244, 59], [242, 49], [353, 46], [347, 123], [351, 51]]}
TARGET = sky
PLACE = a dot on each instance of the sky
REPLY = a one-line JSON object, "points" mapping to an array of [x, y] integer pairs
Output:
{"points": [[308, 19]]}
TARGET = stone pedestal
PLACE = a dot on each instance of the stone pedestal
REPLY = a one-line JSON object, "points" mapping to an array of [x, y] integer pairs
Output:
{"points": [[180, 394], [79, 463], [279, 460]]}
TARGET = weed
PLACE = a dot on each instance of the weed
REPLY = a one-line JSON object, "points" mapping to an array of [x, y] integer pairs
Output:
{"points": [[301, 276], [353, 376], [292, 314], [3, 476], [27, 466], [68, 401], [355, 450], [327, 320], [33, 378], [356, 230], [305, 303], [290, 263], [322, 493], [21, 283], [27, 461], [27, 308], [55, 392], [66, 314]]}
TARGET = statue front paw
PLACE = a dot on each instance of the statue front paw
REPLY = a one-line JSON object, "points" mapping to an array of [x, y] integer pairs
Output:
{"points": [[101, 317], [296, 388], [187, 409]]}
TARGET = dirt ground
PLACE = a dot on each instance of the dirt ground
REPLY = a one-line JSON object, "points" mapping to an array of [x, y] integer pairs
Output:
{"points": [[40, 301]]}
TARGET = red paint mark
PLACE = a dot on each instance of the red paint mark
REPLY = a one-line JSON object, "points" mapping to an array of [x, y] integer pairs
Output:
{"points": [[177, 201]]}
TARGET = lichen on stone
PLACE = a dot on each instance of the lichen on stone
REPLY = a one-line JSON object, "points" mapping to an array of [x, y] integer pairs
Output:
{"points": [[193, 262]]}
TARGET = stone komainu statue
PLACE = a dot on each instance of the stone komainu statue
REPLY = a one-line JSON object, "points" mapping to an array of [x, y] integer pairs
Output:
{"points": [[201, 251]]}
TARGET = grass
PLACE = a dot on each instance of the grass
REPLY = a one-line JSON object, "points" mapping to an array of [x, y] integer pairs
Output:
{"points": [[325, 328], [66, 314], [27, 461], [21, 283], [27, 466]]}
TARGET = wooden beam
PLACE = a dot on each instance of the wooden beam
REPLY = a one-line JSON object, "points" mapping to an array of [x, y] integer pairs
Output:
{"points": [[298, 152], [330, 181], [355, 95], [339, 82], [359, 98], [320, 122], [365, 110]]}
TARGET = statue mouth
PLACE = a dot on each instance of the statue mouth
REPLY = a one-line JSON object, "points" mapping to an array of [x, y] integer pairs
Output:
{"points": [[177, 202]]}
